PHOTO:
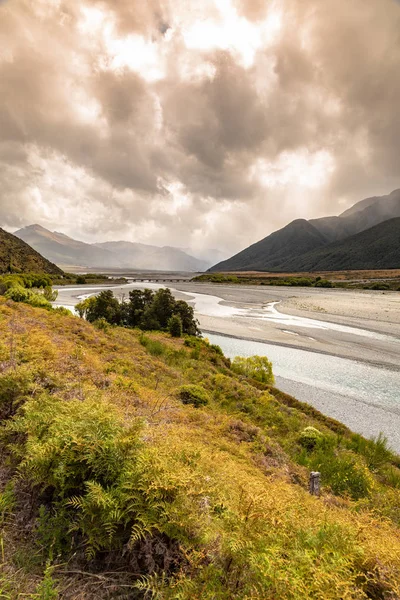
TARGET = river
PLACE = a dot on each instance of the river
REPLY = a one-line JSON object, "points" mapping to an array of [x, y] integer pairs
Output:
{"points": [[362, 395]]}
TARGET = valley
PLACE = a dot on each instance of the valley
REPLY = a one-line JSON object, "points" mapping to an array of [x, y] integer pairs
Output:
{"points": [[314, 337]]}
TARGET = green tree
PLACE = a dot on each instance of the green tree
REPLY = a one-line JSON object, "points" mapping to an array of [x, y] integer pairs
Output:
{"points": [[186, 313], [256, 367], [175, 326]]}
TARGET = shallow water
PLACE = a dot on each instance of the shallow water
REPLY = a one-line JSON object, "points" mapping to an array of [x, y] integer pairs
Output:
{"points": [[360, 381]]}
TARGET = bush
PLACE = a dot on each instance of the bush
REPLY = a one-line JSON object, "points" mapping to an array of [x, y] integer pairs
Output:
{"points": [[309, 437], [155, 347], [325, 283], [256, 367], [175, 326], [80, 280], [194, 394]]}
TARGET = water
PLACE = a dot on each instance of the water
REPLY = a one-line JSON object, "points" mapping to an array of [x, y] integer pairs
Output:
{"points": [[360, 381]]}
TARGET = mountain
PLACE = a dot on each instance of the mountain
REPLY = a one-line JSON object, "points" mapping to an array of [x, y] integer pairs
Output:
{"points": [[16, 254], [66, 251], [361, 216], [296, 238], [63, 250], [374, 248], [283, 250], [147, 257]]}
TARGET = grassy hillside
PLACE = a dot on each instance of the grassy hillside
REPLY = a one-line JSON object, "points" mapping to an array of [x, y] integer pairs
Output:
{"points": [[375, 248], [17, 256], [140, 466]]}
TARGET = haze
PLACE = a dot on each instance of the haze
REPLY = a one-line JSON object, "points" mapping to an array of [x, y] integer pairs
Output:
{"points": [[196, 124]]}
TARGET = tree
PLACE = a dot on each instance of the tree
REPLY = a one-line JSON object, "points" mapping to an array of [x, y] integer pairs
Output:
{"points": [[162, 307], [104, 306], [256, 367], [186, 313], [175, 326]]}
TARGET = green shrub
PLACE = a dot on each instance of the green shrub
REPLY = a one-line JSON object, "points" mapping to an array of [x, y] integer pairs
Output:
{"points": [[309, 437], [154, 347], [256, 367], [80, 280], [101, 324], [193, 394], [344, 472], [175, 326]]}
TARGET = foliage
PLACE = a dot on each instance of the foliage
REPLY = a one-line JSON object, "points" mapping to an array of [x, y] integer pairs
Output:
{"points": [[309, 437], [193, 394], [118, 489], [18, 257], [144, 309], [175, 326], [256, 367]]}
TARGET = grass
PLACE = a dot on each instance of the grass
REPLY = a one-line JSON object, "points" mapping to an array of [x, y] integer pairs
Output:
{"points": [[112, 486]]}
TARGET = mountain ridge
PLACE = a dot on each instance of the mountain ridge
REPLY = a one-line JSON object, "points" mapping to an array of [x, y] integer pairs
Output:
{"points": [[282, 249], [17, 255], [64, 250]]}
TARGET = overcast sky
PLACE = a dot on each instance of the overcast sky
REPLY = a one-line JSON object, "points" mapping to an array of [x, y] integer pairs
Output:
{"points": [[195, 122]]}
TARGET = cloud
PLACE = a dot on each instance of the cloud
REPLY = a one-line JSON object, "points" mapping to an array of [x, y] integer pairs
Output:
{"points": [[171, 123]]}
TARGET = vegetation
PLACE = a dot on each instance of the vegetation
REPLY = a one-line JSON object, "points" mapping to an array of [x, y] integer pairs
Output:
{"points": [[255, 367], [144, 309], [112, 486], [17, 257], [368, 280]]}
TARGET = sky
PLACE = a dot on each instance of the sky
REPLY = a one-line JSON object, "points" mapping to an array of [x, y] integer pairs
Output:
{"points": [[195, 123]]}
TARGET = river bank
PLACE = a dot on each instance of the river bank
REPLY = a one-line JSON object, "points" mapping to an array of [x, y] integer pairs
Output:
{"points": [[306, 332]]}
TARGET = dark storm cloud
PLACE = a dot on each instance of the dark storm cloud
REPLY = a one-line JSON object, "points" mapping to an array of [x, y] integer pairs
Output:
{"points": [[326, 83]]}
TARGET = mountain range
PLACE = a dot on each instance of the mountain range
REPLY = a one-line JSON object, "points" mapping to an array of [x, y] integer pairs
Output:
{"points": [[366, 236], [16, 255], [68, 252]]}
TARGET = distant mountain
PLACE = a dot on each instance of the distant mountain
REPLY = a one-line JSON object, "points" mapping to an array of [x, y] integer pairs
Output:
{"points": [[68, 252], [283, 250], [63, 250], [374, 248], [281, 246], [15, 254], [147, 257]]}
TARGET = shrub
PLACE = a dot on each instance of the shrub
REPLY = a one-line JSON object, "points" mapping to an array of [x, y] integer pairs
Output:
{"points": [[101, 324], [155, 347], [193, 394], [256, 367], [80, 280], [309, 437], [325, 283], [175, 326]]}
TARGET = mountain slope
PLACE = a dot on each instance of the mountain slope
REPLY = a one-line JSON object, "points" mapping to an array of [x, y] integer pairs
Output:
{"points": [[296, 238], [281, 251], [66, 251], [147, 257], [19, 256], [361, 216], [61, 249], [374, 248]]}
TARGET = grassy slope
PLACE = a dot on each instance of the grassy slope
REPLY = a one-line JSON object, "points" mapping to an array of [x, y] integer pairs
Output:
{"points": [[23, 258], [216, 497]]}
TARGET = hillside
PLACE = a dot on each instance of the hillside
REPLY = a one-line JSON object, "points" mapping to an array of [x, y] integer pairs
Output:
{"points": [[142, 466], [268, 254], [281, 250], [375, 248], [19, 256]]}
